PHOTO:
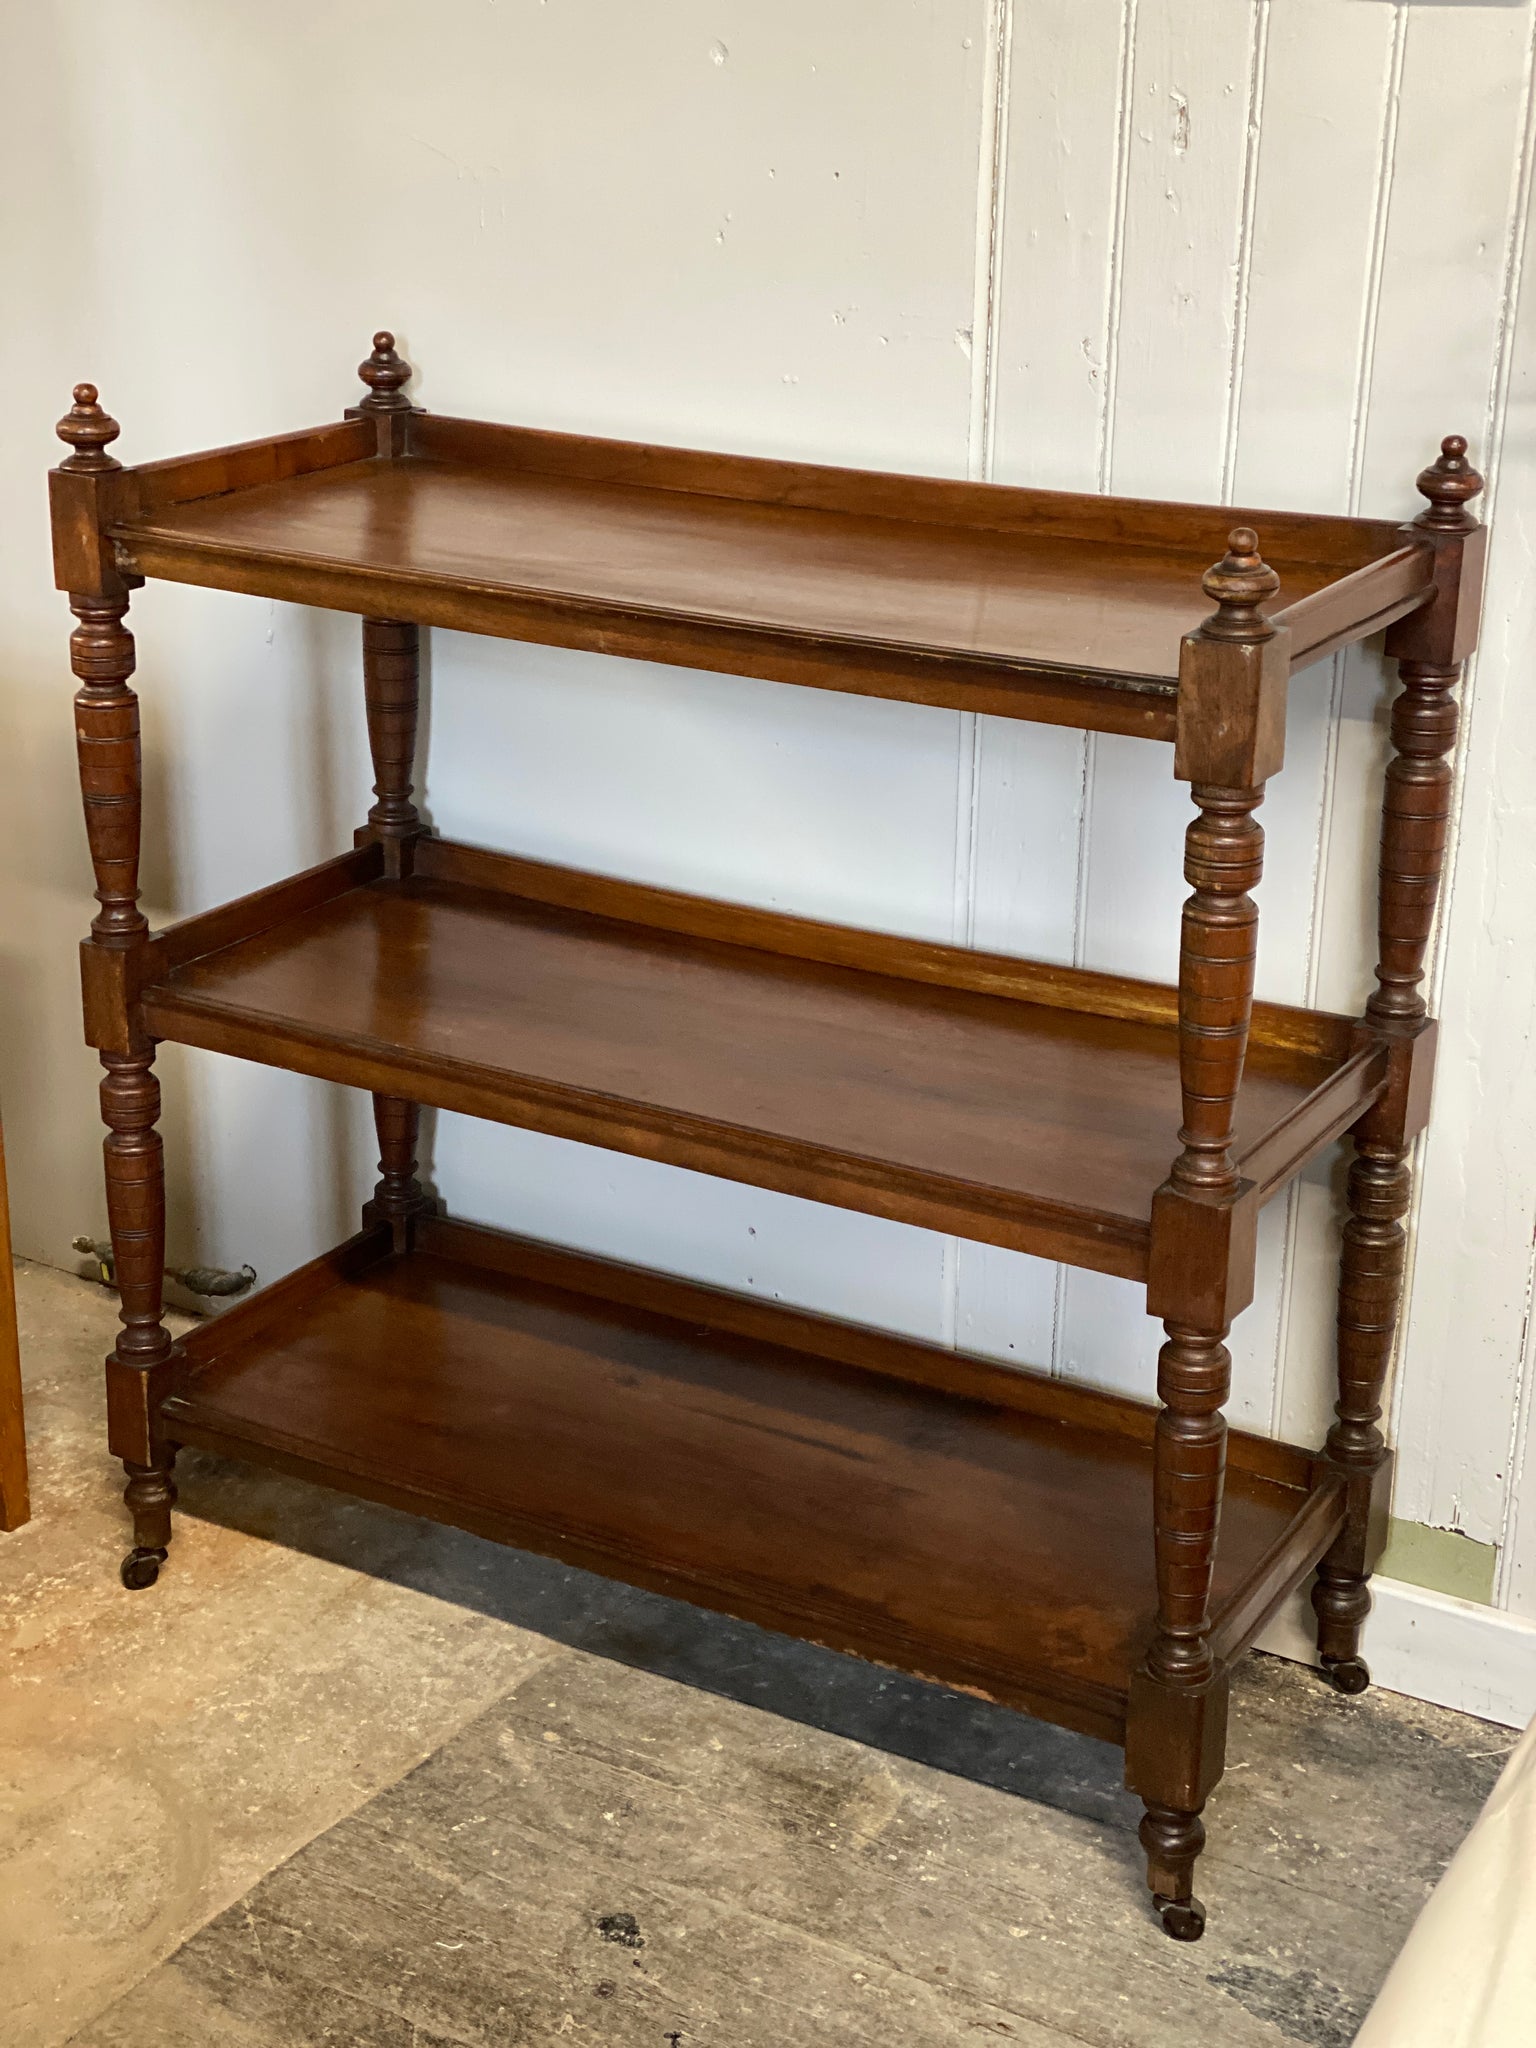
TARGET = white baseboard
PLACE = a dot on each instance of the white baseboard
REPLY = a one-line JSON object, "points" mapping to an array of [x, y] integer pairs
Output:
{"points": [[1453, 1653]]}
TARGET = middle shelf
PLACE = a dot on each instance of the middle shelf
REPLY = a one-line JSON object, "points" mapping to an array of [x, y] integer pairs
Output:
{"points": [[1016, 1104]]}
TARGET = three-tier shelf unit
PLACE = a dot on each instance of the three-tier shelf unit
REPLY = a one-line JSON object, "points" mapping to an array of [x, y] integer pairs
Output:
{"points": [[1029, 1540]]}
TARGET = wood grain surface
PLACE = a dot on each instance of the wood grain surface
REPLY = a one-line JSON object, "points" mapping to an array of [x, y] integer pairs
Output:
{"points": [[943, 1534], [899, 586], [1042, 1126]]}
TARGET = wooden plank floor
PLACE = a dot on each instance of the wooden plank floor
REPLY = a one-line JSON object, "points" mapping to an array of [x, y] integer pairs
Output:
{"points": [[612, 1858]]}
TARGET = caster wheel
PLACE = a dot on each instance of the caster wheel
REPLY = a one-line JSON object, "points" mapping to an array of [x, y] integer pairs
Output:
{"points": [[1183, 1919], [141, 1568], [1348, 1675]]}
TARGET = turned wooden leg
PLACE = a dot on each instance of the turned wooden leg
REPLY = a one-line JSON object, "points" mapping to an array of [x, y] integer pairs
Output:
{"points": [[1200, 1268], [135, 1167], [399, 1197], [1179, 1699], [101, 650], [150, 1495], [1172, 1841], [1189, 1465], [1415, 819], [1370, 1290]]}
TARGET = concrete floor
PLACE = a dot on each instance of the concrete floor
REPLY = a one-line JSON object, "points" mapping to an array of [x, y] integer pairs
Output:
{"points": [[346, 1778]]}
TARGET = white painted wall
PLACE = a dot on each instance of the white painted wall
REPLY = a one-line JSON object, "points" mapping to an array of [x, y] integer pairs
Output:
{"points": [[1266, 249]]}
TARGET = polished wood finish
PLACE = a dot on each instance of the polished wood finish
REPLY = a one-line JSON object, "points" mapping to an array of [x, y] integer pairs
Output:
{"points": [[386, 374], [392, 694], [542, 558], [1097, 1560], [1020, 1123], [1287, 1029], [1230, 739], [15, 1498], [1370, 1290], [877, 1513], [1415, 820], [111, 782], [399, 1198], [1367, 601], [1223, 859], [155, 488], [1030, 604]]}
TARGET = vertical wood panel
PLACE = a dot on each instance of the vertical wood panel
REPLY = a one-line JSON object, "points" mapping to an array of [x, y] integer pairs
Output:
{"points": [[1189, 109], [1028, 795], [722, 1232], [1177, 303], [1467, 1330], [1057, 260], [786, 212], [1309, 292], [1323, 165], [1179, 283], [1052, 367], [1005, 1304], [1464, 102], [1516, 1585]]}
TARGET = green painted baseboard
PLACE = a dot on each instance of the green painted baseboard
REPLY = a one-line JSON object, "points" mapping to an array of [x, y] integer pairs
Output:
{"points": [[1440, 1559]]}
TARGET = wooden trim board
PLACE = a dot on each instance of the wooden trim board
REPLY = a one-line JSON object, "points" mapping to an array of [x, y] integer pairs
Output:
{"points": [[1429, 1646]]}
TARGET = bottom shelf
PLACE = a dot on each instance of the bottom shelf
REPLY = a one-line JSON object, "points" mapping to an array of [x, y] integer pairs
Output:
{"points": [[963, 1521]]}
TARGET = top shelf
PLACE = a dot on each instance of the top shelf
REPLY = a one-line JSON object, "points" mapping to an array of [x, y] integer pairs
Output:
{"points": [[1033, 604]]}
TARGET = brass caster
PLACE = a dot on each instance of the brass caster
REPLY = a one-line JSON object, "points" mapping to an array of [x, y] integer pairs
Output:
{"points": [[1183, 1919], [141, 1568], [1348, 1675]]}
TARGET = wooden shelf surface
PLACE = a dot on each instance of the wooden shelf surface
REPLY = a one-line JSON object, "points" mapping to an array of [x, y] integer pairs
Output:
{"points": [[923, 1083], [957, 1519], [1035, 604]]}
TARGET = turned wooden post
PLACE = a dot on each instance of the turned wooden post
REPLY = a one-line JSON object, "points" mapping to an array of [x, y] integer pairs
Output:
{"points": [[1230, 737], [391, 683], [399, 1197], [107, 743], [391, 647], [392, 689], [1430, 647]]}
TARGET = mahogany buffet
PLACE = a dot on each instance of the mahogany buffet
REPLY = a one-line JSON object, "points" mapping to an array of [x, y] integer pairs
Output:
{"points": [[1033, 1541]]}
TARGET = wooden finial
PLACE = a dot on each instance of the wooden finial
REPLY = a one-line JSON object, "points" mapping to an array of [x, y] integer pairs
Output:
{"points": [[88, 430], [1239, 584], [1448, 483], [384, 373]]}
